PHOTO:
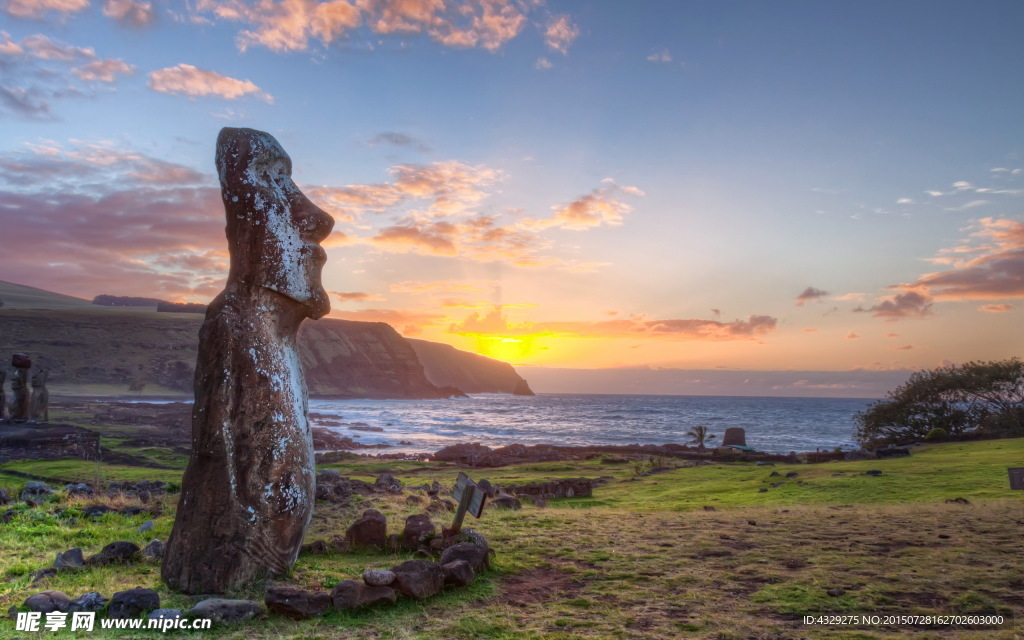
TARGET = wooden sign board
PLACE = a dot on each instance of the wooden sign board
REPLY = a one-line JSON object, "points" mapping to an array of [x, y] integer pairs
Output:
{"points": [[1016, 477], [476, 501]]}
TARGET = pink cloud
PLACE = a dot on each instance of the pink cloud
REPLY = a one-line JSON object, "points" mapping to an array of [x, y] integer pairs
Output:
{"points": [[36, 9], [103, 70], [810, 293], [133, 13], [903, 305], [356, 296], [560, 33], [996, 308], [191, 81], [602, 206]]}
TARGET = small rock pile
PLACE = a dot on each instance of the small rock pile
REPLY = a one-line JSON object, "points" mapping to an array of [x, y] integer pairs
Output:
{"points": [[136, 602]]}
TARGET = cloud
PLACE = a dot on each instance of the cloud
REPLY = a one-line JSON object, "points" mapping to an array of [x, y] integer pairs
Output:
{"points": [[660, 56], [851, 335], [495, 323], [37, 9], [356, 296], [903, 305], [993, 266], [42, 47], [810, 330], [542, 63], [104, 220], [560, 33], [996, 308], [601, 206], [432, 239], [103, 70], [133, 13], [906, 347], [440, 286], [194, 82], [810, 293], [398, 140], [290, 25]]}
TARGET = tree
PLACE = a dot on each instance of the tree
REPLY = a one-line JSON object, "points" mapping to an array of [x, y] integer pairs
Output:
{"points": [[976, 397], [699, 436]]}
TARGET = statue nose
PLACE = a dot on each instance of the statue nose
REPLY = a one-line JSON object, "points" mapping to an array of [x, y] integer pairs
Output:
{"points": [[314, 223]]}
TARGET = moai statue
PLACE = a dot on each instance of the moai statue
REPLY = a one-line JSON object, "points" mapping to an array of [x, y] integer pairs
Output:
{"points": [[3, 394], [248, 492], [19, 387], [39, 410]]}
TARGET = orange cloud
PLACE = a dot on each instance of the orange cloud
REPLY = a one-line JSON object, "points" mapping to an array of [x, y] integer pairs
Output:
{"points": [[495, 323], [103, 70], [133, 13], [998, 272], [560, 33], [356, 296], [289, 25], [601, 206], [36, 9], [439, 286], [194, 82], [406, 322], [996, 308]]}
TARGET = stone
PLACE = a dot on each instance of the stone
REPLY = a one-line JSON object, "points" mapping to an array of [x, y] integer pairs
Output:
{"points": [[42, 574], [873, 472], [352, 594], [339, 544], [774, 474], [378, 577], [835, 593], [21, 401], [92, 601], [69, 560], [221, 610], [418, 531], [154, 550], [39, 405], [96, 511], [478, 556], [792, 474], [79, 489], [486, 486], [114, 553], [5, 498], [132, 603], [762, 490], [458, 573], [734, 436], [369, 531], [506, 502], [165, 614], [48, 602], [317, 547], [248, 491], [418, 579], [145, 526], [296, 603], [386, 482], [36, 491]]}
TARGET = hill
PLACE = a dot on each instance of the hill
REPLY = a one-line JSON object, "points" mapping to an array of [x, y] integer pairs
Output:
{"points": [[112, 351], [447, 366]]}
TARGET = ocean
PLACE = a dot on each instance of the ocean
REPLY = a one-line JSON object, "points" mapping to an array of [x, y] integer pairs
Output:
{"points": [[776, 425]]}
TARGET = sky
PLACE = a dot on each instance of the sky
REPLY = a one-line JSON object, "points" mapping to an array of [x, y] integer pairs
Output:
{"points": [[657, 186]]}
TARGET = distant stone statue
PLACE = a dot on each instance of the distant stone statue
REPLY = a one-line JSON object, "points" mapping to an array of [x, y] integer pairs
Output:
{"points": [[19, 387], [248, 492], [39, 409], [734, 436]]}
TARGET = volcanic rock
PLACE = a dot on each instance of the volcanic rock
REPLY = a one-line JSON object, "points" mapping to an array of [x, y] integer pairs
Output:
{"points": [[133, 603], [221, 610], [368, 531], [352, 594], [296, 603], [48, 601], [418, 579]]}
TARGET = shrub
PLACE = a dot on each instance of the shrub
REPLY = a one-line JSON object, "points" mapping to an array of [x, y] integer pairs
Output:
{"points": [[960, 400], [937, 434]]}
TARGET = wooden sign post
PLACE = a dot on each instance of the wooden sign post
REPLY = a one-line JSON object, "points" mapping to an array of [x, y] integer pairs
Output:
{"points": [[471, 500], [1016, 477]]}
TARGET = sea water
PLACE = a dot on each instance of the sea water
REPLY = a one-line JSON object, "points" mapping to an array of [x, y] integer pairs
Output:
{"points": [[777, 425]]}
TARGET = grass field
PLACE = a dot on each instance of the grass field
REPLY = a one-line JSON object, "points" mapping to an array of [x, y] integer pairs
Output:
{"points": [[642, 558]]}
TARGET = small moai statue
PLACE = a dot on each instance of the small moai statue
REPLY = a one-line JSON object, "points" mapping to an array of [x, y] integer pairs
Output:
{"points": [[3, 395], [39, 411], [20, 387]]}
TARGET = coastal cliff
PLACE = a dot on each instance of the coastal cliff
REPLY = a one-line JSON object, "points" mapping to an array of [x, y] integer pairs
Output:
{"points": [[102, 352], [447, 366]]}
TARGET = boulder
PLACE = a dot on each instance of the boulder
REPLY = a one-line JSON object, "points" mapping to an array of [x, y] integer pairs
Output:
{"points": [[42, 574], [154, 550], [387, 482], [96, 510], [79, 489], [506, 501], [92, 601], [352, 594], [296, 603], [378, 578], [145, 527], [165, 614], [458, 573], [36, 491], [873, 472], [221, 610], [476, 555], [114, 553], [48, 602], [418, 579], [368, 531], [418, 531], [69, 560], [5, 497], [317, 547], [133, 603]]}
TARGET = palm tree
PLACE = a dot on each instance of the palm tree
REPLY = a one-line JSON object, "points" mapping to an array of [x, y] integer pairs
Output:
{"points": [[699, 436]]}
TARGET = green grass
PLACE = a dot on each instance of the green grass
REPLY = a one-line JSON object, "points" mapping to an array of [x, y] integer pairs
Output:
{"points": [[640, 559], [75, 470]]}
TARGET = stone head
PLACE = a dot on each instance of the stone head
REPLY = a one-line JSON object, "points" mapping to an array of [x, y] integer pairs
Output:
{"points": [[273, 229], [39, 377]]}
